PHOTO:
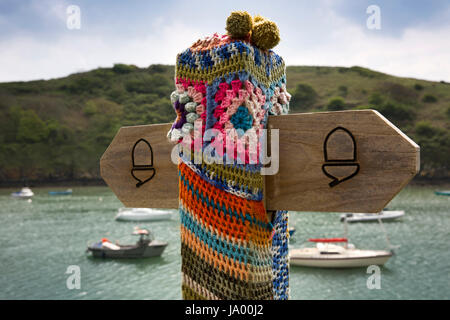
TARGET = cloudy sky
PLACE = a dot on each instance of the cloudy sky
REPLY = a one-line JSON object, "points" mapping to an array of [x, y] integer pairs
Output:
{"points": [[36, 43]]}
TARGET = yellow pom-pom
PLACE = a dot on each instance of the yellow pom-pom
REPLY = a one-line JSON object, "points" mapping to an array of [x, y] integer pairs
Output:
{"points": [[239, 24], [258, 18], [265, 33]]}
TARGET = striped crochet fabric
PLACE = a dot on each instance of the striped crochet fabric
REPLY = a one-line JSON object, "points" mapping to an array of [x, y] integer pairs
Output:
{"points": [[229, 248], [280, 253]]}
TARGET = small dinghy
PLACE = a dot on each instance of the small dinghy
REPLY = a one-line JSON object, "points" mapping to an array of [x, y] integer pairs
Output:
{"points": [[291, 231], [367, 217], [329, 255], [442, 192], [60, 193], [25, 193], [145, 247], [142, 214]]}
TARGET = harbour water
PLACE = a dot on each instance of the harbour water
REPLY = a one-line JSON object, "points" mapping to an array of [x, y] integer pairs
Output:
{"points": [[42, 238]]}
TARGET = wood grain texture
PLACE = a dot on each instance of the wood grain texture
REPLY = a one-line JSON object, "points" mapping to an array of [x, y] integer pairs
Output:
{"points": [[387, 158], [115, 167], [387, 161]]}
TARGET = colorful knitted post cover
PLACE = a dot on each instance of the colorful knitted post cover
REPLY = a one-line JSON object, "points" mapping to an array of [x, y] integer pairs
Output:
{"points": [[226, 86]]}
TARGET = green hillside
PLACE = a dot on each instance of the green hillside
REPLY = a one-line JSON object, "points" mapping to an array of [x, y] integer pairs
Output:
{"points": [[58, 129]]}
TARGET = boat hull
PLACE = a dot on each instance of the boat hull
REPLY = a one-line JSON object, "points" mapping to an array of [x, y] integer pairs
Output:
{"points": [[348, 258], [143, 216], [339, 263], [362, 217], [20, 196], [129, 253], [59, 193]]}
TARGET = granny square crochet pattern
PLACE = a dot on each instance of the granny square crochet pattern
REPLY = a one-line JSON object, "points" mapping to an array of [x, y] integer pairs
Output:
{"points": [[229, 247]]}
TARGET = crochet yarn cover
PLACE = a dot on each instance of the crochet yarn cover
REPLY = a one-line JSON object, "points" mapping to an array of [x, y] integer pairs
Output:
{"points": [[229, 247]]}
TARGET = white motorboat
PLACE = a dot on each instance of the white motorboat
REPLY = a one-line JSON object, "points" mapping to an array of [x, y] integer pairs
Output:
{"points": [[326, 254], [365, 217], [142, 214], [145, 247], [25, 193]]}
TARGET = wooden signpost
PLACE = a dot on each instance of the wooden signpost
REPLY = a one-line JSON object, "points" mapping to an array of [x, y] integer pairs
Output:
{"points": [[346, 161]]}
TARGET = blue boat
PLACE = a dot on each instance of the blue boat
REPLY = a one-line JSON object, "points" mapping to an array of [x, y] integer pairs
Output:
{"points": [[442, 192], [291, 231], [60, 193]]}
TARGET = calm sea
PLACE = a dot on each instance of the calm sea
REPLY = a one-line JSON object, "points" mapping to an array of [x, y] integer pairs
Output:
{"points": [[41, 239]]}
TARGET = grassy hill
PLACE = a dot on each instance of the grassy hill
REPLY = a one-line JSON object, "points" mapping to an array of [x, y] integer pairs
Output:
{"points": [[58, 129]]}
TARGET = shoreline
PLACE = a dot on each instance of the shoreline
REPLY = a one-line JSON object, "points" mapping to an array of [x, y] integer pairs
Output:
{"points": [[418, 181], [53, 183]]}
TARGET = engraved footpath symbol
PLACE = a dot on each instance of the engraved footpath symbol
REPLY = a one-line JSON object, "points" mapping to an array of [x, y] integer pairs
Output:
{"points": [[339, 149], [142, 162]]}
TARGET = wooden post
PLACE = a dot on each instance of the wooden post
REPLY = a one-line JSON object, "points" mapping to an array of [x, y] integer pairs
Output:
{"points": [[349, 161]]}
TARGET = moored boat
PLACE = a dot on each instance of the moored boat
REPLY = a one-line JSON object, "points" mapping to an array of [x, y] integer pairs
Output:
{"points": [[291, 231], [60, 193], [145, 247], [142, 214], [367, 217], [25, 193], [442, 192], [327, 254]]}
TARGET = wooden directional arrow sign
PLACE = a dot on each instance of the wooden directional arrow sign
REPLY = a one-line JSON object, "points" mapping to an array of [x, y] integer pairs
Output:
{"points": [[347, 161]]}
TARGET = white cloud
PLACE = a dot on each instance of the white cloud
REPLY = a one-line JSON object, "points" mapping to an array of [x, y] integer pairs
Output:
{"points": [[321, 38], [417, 53], [48, 9], [28, 58]]}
